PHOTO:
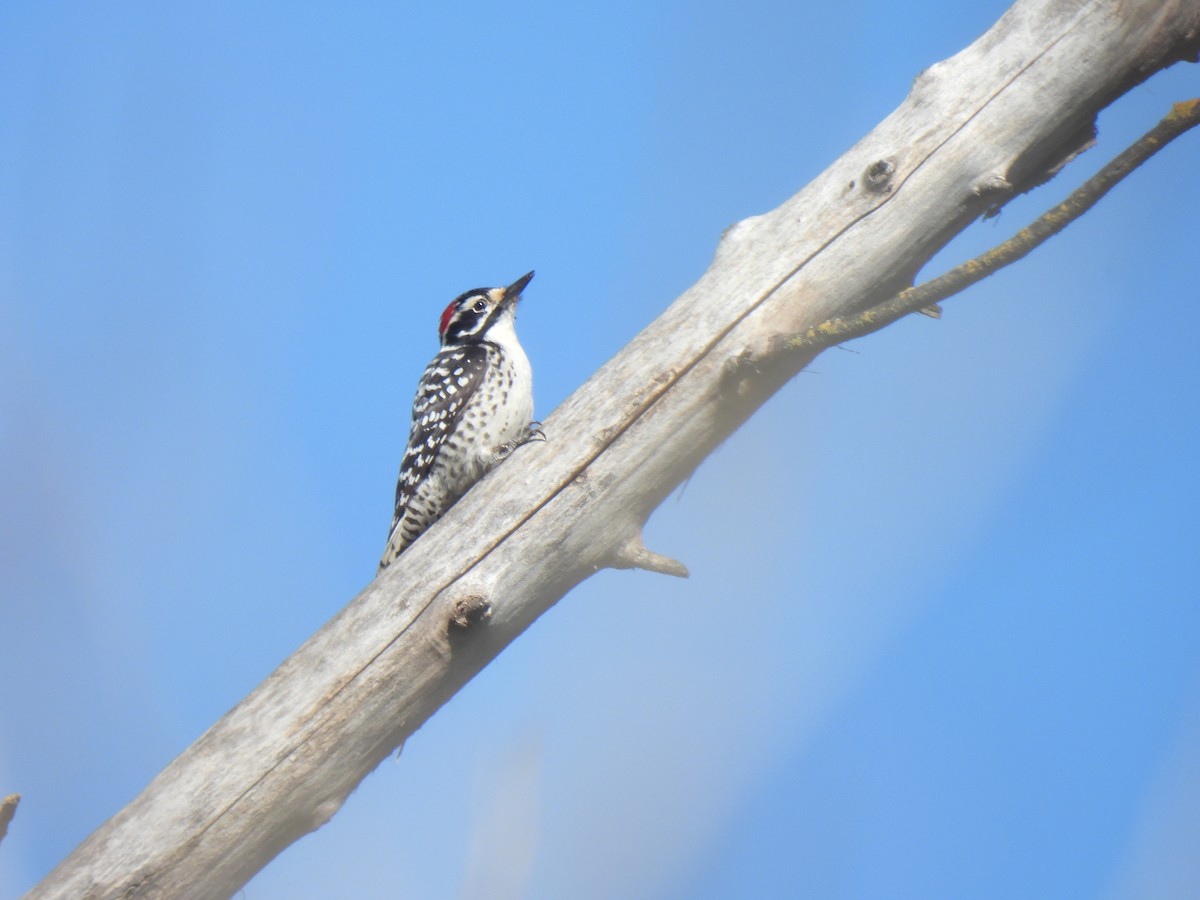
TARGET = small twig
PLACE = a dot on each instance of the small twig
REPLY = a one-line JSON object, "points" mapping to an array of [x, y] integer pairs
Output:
{"points": [[1183, 116], [8, 809], [635, 555]]}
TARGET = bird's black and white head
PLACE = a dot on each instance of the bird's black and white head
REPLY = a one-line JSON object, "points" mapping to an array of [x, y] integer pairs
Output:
{"points": [[484, 314]]}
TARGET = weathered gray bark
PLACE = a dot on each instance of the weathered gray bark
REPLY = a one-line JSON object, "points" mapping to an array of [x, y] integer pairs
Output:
{"points": [[992, 121]]}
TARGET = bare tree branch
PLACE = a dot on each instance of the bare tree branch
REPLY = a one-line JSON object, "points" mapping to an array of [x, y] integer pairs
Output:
{"points": [[1183, 116], [996, 119]]}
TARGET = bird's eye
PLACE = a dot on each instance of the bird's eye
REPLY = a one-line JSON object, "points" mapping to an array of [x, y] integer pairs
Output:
{"points": [[479, 306]]}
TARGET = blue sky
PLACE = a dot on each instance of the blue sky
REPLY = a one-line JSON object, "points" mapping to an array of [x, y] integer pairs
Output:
{"points": [[940, 634]]}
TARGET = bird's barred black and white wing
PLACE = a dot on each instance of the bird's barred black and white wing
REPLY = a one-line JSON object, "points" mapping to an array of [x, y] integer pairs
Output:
{"points": [[450, 379]]}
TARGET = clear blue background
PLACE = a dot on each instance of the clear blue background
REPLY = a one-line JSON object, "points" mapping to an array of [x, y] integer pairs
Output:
{"points": [[940, 638]]}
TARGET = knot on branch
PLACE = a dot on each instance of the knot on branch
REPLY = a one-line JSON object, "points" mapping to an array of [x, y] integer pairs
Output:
{"points": [[739, 372], [469, 611], [878, 177], [996, 190], [990, 185]]}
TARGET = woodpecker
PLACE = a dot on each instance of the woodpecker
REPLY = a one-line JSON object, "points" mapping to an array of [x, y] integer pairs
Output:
{"points": [[474, 407]]}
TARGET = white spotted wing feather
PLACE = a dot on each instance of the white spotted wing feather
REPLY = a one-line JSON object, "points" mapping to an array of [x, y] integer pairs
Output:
{"points": [[423, 490]]}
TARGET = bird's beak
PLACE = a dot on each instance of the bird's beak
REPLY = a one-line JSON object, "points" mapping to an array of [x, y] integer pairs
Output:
{"points": [[513, 291]]}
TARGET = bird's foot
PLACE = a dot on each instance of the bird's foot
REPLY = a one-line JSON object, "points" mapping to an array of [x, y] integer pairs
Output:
{"points": [[533, 432]]}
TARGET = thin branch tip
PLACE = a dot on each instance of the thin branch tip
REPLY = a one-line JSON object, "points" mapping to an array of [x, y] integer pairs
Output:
{"points": [[8, 809], [1186, 109], [635, 555]]}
